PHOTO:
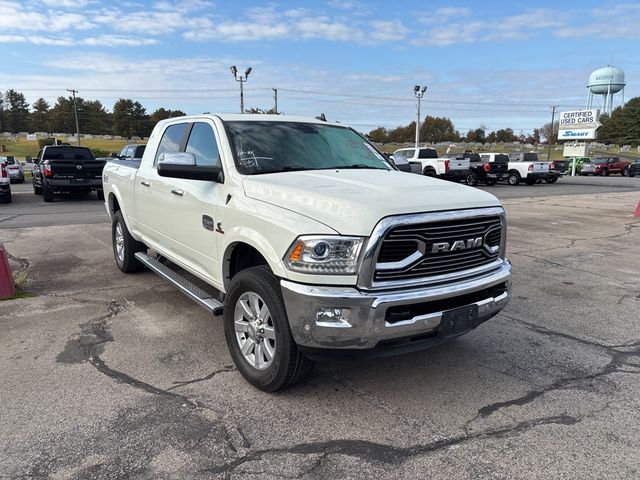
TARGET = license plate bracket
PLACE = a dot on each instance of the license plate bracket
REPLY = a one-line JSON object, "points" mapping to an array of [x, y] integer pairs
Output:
{"points": [[458, 321]]}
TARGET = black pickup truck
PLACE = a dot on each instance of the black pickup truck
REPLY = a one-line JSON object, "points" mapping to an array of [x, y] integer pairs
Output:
{"points": [[65, 168], [481, 170]]}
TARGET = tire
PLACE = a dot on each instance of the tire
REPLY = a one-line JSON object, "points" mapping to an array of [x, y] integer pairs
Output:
{"points": [[604, 172], [47, 195], [490, 182], [472, 179], [125, 246], [6, 198], [631, 175], [530, 181], [625, 172], [514, 178], [287, 365], [429, 172], [37, 190], [552, 179], [100, 194]]}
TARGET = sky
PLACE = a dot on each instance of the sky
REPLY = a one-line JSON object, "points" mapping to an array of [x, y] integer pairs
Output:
{"points": [[493, 63]]}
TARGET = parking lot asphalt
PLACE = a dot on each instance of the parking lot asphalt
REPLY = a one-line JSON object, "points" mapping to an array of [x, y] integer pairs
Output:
{"points": [[106, 375]]}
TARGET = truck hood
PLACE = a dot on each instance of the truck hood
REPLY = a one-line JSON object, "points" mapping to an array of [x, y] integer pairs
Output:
{"points": [[352, 202]]}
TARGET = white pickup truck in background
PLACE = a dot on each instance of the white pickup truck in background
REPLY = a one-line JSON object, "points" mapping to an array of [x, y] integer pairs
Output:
{"points": [[306, 239], [431, 165], [526, 166]]}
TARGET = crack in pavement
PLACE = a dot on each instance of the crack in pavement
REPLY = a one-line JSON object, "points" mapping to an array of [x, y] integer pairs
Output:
{"points": [[178, 384], [618, 354], [11, 217], [23, 262], [382, 453]]}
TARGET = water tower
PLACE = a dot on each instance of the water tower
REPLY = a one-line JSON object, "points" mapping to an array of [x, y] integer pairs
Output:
{"points": [[607, 82]]}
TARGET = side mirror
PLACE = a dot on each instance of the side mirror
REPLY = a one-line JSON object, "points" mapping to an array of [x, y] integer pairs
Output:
{"points": [[114, 155], [183, 165]]}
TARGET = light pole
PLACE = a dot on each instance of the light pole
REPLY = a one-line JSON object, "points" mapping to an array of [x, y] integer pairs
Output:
{"points": [[553, 119], [418, 91], [241, 79], [75, 112]]}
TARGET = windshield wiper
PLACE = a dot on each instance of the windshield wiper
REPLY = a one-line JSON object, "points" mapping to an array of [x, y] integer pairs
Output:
{"points": [[280, 170], [358, 165]]}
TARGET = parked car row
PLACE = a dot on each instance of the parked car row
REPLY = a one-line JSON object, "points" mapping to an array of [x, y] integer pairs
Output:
{"points": [[488, 168], [604, 166]]}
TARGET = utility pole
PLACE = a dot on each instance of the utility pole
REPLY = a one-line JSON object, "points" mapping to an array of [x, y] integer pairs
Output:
{"points": [[553, 119], [241, 79], [75, 112], [418, 91], [275, 99]]}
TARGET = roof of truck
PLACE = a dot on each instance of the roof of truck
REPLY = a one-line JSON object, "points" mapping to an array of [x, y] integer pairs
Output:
{"points": [[253, 117]]}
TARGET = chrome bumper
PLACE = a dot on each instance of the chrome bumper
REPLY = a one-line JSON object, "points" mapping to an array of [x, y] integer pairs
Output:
{"points": [[366, 324]]}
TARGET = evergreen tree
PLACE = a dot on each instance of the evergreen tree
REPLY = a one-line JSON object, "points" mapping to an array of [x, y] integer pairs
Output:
{"points": [[41, 116]]}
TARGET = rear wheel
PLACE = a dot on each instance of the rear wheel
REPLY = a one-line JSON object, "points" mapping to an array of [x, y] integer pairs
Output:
{"points": [[491, 182], [552, 179], [125, 246], [47, 194], [6, 198], [37, 190], [472, 179], [257, 331], [513, 178], [429, 172]]}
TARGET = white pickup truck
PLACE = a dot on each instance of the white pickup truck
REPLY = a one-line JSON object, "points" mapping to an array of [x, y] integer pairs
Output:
{"points": [[448, 168], [306, 239], [525, 165]]}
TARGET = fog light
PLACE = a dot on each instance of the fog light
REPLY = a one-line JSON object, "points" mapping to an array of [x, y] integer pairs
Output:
{"points": [[333, 317]]}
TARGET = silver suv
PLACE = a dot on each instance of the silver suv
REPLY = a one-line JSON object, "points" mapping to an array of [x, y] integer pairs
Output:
{"points": [[14, 168]]}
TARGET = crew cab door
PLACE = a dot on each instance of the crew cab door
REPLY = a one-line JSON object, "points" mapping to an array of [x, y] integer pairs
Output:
{"points": [[153, 198], [194, 203]]}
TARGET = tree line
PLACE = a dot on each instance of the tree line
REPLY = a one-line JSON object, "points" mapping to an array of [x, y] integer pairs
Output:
{"points": [[127, 117], [441, 129], [622, 127]]}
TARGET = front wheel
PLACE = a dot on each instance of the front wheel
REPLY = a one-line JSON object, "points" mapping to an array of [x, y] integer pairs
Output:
{"points": [[604, 172], [472, 179], [513, 178], [625, 172], [552, 179], [257, 331], [125, 246]]}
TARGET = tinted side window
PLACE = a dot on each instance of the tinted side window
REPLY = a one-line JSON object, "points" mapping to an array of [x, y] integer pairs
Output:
{"points": [[427, 153], [171, 140], [139, 151], [202, 143]]}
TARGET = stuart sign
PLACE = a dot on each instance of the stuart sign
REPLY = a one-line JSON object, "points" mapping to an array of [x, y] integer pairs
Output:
{"points": [[579, 125]]}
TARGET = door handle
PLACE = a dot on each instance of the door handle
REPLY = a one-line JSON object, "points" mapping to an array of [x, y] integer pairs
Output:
{"points": [[177, 191], [145, 183]]}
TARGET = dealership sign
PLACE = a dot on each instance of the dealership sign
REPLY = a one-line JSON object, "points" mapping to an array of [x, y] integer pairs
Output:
{"points": [[579, 125]]}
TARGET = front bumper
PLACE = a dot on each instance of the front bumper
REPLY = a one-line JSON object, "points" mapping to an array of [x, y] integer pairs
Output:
{"points": [[369, 324]]}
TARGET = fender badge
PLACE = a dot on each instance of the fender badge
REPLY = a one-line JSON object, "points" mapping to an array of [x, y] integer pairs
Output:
{"points": [[207, 222]]}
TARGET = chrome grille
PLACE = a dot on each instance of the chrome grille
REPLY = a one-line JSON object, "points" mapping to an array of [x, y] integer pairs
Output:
{"points": [[407, 251]]}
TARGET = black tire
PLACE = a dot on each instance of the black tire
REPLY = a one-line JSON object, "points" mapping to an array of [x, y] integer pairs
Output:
{"points": [[625, 172], [37, 190], [47, 195], [288, 366], [552, 179], [472, 179], [604, 172], [631, 174], [6, 198], [514, 178], [429, 172], [100, 194], [491, 182], [530, 181], [126, 262]]}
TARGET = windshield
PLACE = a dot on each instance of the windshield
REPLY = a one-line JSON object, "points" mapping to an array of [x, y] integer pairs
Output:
{"points": [[599, 160], [267, 147]]}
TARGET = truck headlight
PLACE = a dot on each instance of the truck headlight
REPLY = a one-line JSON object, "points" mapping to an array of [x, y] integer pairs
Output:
{"points": [[324, 255]]}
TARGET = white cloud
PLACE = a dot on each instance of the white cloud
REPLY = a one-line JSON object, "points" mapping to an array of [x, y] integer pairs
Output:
{"points": [[617, 21], [37, 40], [66, 3], [109, 40], [388, 30], [16, 17]]}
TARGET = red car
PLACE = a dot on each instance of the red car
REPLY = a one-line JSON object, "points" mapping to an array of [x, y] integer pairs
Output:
{"points": [[604, 166]]}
